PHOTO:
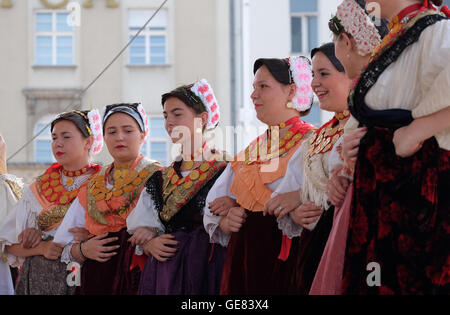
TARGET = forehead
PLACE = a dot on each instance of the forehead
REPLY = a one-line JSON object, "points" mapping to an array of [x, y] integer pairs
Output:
{"points": [[119, 120], [64, 126], [263, 74], [173, 103], [320, 61]]}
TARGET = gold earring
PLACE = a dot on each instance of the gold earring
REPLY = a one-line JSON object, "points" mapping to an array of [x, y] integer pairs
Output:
{"points": [[290, 105]]}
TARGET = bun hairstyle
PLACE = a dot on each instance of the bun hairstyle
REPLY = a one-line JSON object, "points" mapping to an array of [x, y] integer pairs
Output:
{"points": [[79, 118], [185, 95]]}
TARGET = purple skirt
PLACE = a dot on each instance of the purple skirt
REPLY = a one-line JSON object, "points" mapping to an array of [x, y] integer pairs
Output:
{"points": [[196, 268]]}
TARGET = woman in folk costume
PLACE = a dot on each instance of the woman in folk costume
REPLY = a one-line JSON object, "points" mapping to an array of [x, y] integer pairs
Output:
{"points": [[400, 208], [168, 219], [312, 220], [104, 204], [255, 262], [76, 136], [355, 37], [10, 193]]}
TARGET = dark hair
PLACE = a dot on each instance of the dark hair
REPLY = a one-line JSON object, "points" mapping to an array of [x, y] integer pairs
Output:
{"points": [[328, 50], [78, 118], [185, 95], [131, 109], [280, 70], [337, 29]]}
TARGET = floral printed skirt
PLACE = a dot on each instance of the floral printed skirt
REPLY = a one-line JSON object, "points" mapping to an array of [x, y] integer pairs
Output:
{"points": [[400, 220]]}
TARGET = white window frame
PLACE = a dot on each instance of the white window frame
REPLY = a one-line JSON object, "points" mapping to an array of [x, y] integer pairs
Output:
{"points": [[151, 139], [43, 121], [54, 34], [147, 33], [305, 29]]}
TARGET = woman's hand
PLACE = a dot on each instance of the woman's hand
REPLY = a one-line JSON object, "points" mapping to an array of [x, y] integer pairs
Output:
{"points": [[142, 236], [222, 205], [350, 144], [96, 248], [306, 214], [406, 142], [234, 220], [30, 238], [50, 250], [336, 189], [162, 248], [80, 234], [282, 204]]}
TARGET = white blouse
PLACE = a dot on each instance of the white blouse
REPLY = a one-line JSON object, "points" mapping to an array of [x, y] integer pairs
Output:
{"points": [[8, 199], [25, 215], [221, 188], [420, 78]]}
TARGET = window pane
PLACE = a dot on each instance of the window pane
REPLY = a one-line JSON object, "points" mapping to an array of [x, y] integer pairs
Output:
{"points": [[44, 41], [137, 50], [157, 40], [64, 51], [314, 116], [61, 23], [158, 146], [137, 60], [137, 18], [296, 34], [312, 32], [64, 61], [144, 149], [158, 60], [43, 22], [156, 50], [43, 50], [39, 127], [43, 151], [303, 6]]}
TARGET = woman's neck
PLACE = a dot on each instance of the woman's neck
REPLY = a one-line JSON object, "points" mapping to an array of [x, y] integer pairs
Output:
{"points": [[75, 166], [124, 162]]}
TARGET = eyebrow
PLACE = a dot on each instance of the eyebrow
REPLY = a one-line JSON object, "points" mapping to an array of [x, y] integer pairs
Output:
{"points": [[173, 110], [63, 133], [114, 127]]}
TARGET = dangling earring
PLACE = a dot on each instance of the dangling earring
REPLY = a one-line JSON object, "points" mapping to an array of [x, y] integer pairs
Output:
{"points": [[290, 105]]}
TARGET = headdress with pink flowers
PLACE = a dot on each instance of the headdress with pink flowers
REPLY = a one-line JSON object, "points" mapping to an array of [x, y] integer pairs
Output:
{"points": [[95, 124], [355, 21], [205, 93], [301, 71]]}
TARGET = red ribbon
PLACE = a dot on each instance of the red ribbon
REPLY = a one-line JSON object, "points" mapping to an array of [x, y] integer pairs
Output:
{"points": [[138, 261], [286, 243]]}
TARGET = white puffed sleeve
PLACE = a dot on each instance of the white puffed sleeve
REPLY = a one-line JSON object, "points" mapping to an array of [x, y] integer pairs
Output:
{"points": [[22, 216], [74, 218], [8, 199], [221, 188], [290, 182], [144, 215]]}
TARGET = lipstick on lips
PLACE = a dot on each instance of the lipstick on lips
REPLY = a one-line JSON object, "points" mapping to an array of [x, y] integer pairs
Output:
{"points": [[120, 147], [59, 154]]}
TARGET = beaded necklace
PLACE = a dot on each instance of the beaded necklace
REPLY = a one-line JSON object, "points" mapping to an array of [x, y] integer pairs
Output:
{"points": [[52, 187], [325, 137], [261, 150]]}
